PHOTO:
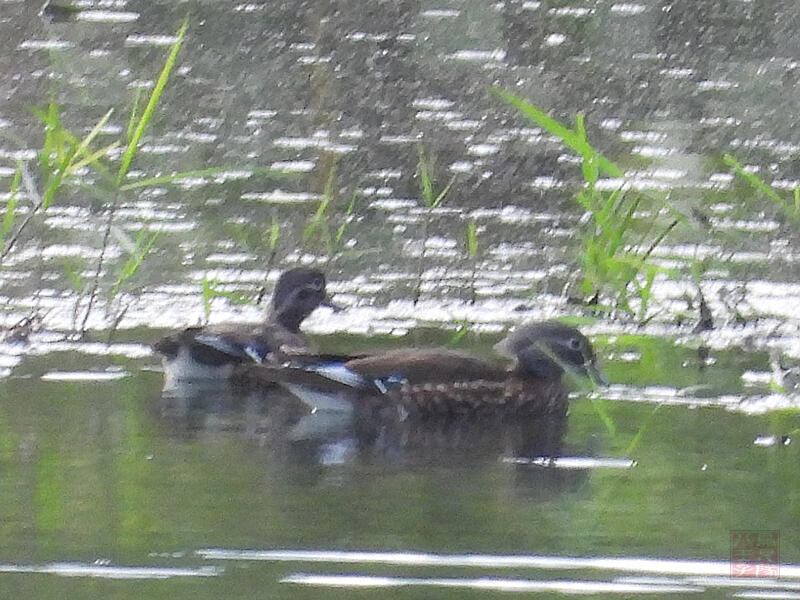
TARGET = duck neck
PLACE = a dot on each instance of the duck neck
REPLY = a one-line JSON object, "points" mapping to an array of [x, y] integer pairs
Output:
{"points": [[289, 319], [531, 362]]}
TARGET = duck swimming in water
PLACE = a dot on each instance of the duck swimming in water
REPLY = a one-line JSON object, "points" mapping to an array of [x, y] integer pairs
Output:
{"points": [[443, 383], [211, 353]]}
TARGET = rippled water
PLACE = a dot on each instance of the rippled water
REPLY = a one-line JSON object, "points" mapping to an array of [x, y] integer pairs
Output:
{"points": [[229, 496]]}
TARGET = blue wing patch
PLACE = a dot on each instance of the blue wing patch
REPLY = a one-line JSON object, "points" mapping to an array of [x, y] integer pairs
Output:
{"points": [[254, 350]]}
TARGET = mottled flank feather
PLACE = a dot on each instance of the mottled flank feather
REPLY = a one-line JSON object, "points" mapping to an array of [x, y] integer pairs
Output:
{"points": [[476, 398]]}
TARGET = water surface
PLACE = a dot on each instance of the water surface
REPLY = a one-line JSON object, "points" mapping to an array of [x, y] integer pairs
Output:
{"points": [[108, 488]]}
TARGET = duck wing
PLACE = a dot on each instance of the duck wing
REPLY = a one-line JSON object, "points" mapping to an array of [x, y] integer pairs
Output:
{"points": [[427, 365]]}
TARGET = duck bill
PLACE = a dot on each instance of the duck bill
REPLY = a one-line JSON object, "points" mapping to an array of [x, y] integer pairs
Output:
{"points": [[596, 375], [326, 301]]}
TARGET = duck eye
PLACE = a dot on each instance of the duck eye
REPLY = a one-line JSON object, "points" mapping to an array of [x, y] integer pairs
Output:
{"points": [[575, 343], [316, 284]]}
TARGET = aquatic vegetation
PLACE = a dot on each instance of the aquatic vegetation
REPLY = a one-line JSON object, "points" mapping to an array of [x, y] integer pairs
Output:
{"points": [[318, 224], [789, 207], [10, 214], [209, 289], [64, 161], [473, 254], [319, 227], [617, 244], [432, 200], [137, 124], [60, 161]]}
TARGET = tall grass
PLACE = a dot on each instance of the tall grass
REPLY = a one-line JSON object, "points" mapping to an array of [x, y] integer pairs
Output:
{"points": [[473, 255], [321, 228], [432, 199], [137, 124], [790, 207], [210, 289], [63, 157], [617, 245]]}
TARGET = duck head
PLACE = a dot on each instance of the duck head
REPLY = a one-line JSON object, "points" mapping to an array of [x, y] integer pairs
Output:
{"points": [[298, 292], [546, 350]]}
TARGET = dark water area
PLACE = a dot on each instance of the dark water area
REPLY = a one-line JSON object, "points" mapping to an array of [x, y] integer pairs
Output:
{"points": [[109, 488]]}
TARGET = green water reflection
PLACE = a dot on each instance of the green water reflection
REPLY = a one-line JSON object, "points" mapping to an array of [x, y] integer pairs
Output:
{"points": [[101, 471]]}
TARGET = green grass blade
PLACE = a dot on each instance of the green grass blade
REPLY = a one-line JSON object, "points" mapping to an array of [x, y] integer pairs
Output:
{"points": [[585, 199], [92, 159], [207, 293], [425, 178], [351, 206], [616, 240], [147, 114], [570, 138], [274, 234], [458, 335], [144, 242], [610, 205], [11, 206], [53, 185], [83, 146], [757, 183], [319, 219], [440, 198], [316, 221], [134, 114], [639, 434], [472, 238]]}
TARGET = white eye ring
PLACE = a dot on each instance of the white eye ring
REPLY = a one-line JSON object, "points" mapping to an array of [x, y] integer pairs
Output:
{"points": [[316, 284], [575, 343]]}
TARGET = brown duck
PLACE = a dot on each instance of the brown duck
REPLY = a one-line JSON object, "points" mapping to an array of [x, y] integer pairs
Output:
{"points": [[211, 353], [442, 383]]}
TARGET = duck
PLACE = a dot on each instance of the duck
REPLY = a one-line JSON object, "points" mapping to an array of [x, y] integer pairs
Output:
{"points": [[211, 353], [444, 383]]}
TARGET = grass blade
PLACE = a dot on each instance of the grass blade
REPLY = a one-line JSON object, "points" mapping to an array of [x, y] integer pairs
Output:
{"points": [[443, 193], [83, 147], [147, 114], [11, 206], [758, 184], [570, 138], [472, 238], [144, 242], [134, 114], [93, 159]]}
